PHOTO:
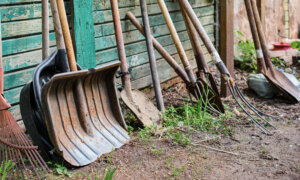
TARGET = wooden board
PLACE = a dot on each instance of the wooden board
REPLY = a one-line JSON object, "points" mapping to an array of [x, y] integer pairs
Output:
{"points": [[294, 19], [21, 28]]}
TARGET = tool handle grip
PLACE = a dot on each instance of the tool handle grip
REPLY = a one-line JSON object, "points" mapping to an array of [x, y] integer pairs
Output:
{"points": [[45, 31], [60, 43], [66, 34]]}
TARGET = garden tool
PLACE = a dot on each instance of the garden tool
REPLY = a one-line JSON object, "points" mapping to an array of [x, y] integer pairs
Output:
{"points": [[234, 89], [275, 77], [170, 60], [30, 97], [136, 101], [81, 108], [204, 76], [202, 93], [14, 144], [151, 54], [261, 66]]}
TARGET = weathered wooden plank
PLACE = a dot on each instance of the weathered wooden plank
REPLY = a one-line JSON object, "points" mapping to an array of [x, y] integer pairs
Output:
{"points": [[13, 95], [155, 20], [105, 16], [226, 47], [23, 60], [132, 36], [135, 49], [15, 111], [84, 33], [24, 11], [23, 44]]}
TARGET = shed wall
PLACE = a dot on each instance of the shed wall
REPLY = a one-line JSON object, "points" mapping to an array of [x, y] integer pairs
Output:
{"points": [[21, 33]]}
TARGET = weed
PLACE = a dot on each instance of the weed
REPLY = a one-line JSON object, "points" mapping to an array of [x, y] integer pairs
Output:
{"points": [[157, 152], [209, 167], [145, 135], [108, 172], [246, 59], [297, 167], [60, 169], [8, 165], [278, 62], [177, 171], [179, 139], [296, 45], [264, 151], [130, 130]]}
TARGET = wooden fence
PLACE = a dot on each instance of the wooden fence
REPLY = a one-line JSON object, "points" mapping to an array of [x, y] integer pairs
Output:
{"points": [[21, 33]]}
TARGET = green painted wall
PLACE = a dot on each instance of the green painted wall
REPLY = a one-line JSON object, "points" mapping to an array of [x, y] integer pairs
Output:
{"points": [[21, 33]]}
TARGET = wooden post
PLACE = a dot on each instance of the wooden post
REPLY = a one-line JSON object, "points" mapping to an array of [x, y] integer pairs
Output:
{"points": [[83, 29], [261, 5], [226, 45]]}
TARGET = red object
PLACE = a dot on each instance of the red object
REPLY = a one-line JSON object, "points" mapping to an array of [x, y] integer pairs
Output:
{"points": [[281, 46]]}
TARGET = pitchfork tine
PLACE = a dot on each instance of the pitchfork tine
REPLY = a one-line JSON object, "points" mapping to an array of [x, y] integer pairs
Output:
{"points": [[248, 104], [231, 88], [259, 111], [209, 106]]}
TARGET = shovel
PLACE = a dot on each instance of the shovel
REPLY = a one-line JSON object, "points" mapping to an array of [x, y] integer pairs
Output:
{"points": [[234, 89], [202, 91], [136, 101], [30, 97], [81, 108], [275, 77]]}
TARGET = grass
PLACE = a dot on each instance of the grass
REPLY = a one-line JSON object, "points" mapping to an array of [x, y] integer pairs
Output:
{"points": [[5, 168]]}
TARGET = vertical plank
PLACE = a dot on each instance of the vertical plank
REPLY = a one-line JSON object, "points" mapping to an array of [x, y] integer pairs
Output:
{"points": [[294, 18], [83, 29], [226, 39]]}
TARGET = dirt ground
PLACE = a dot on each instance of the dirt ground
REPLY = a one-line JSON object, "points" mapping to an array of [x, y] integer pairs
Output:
{"points": [[246, 153]]}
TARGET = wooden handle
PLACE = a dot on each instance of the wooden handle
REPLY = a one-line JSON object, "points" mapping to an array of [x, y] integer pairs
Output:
{"points": [[176, 40], [171, 61], [196, 46], [66, 34], [173, 32], [262, 38], [1, 65], [45, 28], [261, 66], [60, 43]]}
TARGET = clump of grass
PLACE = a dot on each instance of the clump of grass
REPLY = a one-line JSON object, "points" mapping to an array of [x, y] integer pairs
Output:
{"points": [[5, 168]]}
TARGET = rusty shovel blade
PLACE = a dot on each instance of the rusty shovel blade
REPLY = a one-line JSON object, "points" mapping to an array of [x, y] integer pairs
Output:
{"points": [[283, 85], [104, 128]]}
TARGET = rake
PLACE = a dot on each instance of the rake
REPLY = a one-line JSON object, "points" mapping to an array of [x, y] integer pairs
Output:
{"points": [[234, 89], [15, 147]]}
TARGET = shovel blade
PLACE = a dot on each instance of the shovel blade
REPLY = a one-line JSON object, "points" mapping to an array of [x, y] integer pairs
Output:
{"points": [[141, 107], [284, 85], [104, 115]]}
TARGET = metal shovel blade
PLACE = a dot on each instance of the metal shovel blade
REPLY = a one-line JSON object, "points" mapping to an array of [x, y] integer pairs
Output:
{"points": [[284, 85], [103, 114], [142, 107]]}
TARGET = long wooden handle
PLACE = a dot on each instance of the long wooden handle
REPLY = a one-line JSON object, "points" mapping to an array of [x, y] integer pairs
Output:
{"points": [[173, 32], [176, 40], [66, 34], [60, 43], [197, 49], [1, 64], [261, 35], [261, 66], [45, 28], [171, 61], [207, 42]]}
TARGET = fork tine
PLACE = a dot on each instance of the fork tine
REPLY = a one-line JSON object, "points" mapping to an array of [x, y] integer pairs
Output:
{"points": [[259, 111], [261, 127], [248, 105]]}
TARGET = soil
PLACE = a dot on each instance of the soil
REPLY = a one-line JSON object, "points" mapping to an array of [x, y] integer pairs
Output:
{"points": [[245, 154]]}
